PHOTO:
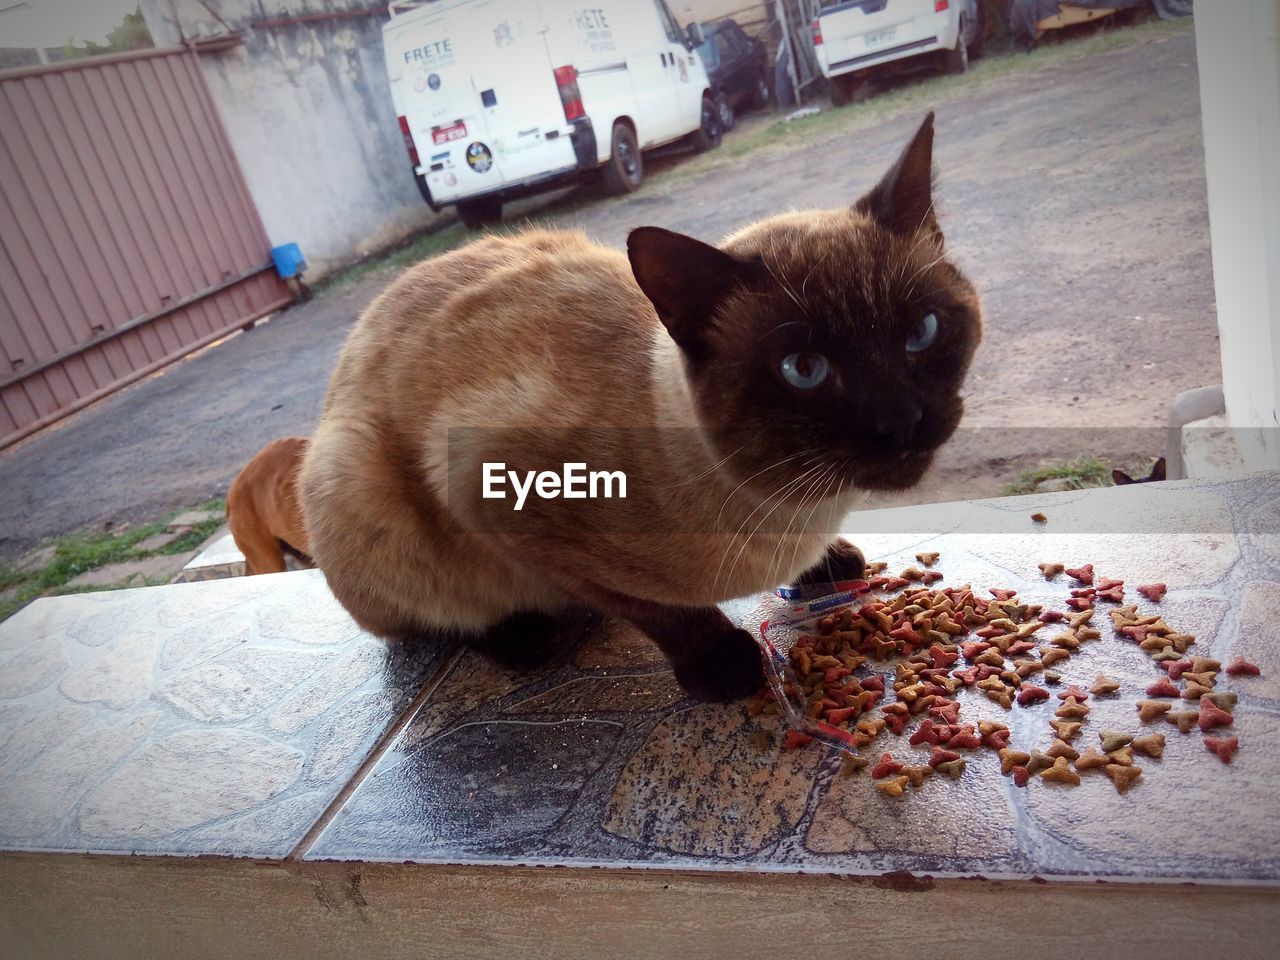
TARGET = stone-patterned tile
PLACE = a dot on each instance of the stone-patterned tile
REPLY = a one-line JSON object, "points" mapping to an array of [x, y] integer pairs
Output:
{"points": [[699, 786], [599, 759], [1257, 639], [945, 823], [218, 717], [1189, 816]]}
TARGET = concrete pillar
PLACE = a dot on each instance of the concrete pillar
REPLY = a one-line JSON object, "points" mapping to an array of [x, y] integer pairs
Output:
{"points": [[1238, 48]]}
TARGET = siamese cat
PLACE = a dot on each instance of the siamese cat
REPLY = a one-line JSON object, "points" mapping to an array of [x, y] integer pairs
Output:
{"points": [[806, 359]]}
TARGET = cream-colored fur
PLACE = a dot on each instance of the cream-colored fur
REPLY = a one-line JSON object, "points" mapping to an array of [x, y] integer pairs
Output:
{"points": [[538, 331]]}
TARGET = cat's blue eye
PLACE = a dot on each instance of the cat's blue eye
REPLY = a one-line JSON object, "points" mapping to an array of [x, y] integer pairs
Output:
{"points": [[925, 333], [805, 371]]}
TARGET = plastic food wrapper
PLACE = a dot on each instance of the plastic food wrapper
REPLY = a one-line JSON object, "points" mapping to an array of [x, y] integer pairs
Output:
{"points": [[784, 620]]}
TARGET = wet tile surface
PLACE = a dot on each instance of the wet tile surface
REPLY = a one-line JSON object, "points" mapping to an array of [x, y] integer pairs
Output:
{"points": [[201, 718], [600, 759]]}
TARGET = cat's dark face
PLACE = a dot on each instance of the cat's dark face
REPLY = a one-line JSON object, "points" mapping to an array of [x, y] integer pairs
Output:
{"points": [[825, 350]]}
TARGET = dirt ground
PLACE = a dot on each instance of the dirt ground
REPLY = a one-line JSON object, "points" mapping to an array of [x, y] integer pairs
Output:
{"points": [[1074, 197]]}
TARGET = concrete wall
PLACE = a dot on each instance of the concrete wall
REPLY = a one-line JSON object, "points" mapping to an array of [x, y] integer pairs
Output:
{"points": [[308, 111], [752, 14], [1238, 49]]}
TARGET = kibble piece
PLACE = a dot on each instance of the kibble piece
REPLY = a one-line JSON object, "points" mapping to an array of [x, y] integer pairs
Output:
{"points": [[1224, 699], [1082, 574], [1184, 720], [1205, 665], [1149, 710], [952, 768], [1103, 686], [1066, 729], [886, 767], [1031, 693], [1123, 756], [928, 559], [1038, 761], [1060, 748], [1091, 759], [1223, 747], [1211, 715], [1052, 676], [1163, 688], [1021, 775], [851, 763], [1194, 691], [1010, 758], [1061, 772], [1153, 591], [1051, 655], [1206, 678], [893, 788], [916, 774], [1074, 691], [1114, 739], [1072, 709], [1039, 518], [878, 566], [938, 755], [1051, 570], [1152, 744], [795, 739], [1240, 667], [1122, 777]]}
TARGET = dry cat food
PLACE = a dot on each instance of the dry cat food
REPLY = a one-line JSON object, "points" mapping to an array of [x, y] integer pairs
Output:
{"points": [[1240, 667], [1223, 747], [894, 659], [1039, 518]]}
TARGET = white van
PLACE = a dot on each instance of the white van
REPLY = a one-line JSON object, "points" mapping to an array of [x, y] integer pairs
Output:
{"points": [[851, 37], [501, 98]]}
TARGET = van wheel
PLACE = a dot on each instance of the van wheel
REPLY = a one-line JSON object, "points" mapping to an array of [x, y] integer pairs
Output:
{"points": [[624, 169], [475, 214], [725, 109], [707, 137], [956, 61], [760, 95], [979, 44], [841, 91]]}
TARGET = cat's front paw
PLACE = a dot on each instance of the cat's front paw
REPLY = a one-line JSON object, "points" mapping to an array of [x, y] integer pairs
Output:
{"points": [[727, 669], [842, 561]]}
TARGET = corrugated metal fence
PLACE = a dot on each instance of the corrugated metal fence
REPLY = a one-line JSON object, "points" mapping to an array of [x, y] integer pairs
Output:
{"points": [[127, 235]]}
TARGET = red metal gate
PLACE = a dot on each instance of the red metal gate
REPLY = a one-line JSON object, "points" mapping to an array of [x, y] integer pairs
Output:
{"points": [[127, 235]]}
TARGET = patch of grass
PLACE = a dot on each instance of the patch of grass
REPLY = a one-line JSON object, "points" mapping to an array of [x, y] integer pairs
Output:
{"points": [[79, 552], [1083, 472], [422, 246]]}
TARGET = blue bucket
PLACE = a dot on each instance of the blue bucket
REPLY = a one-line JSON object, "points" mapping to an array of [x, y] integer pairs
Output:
{"points": [[288, 260]]}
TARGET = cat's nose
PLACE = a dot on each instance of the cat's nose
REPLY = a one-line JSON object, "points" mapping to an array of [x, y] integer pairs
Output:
{"points": [[897, 425]]}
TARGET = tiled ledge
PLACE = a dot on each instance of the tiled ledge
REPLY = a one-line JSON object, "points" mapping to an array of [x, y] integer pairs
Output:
{"points": [[249, 718]]}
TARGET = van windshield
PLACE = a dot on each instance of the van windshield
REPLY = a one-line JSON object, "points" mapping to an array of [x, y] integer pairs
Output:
{"points": [[710, 59]]}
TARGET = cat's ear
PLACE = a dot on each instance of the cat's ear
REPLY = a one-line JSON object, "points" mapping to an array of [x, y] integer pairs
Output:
{"points": [[683, 278], [903, 200]]}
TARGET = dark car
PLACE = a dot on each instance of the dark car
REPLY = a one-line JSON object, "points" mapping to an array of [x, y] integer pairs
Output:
{"points": [[737, 66]]}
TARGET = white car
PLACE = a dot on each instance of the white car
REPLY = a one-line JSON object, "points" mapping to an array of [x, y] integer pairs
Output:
{"points": [[501, 98], [854, 37]]}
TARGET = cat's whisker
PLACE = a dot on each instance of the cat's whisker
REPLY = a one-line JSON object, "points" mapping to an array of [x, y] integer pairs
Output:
{"points": [[734, 491], [911, 284], [823, 480], [782, 498], [713, 468], [780, 493], [775, 559], [817, 504]]}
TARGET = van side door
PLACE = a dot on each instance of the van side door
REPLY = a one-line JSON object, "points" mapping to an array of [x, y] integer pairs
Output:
{"points": [[657, 116], [685, 69]]}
